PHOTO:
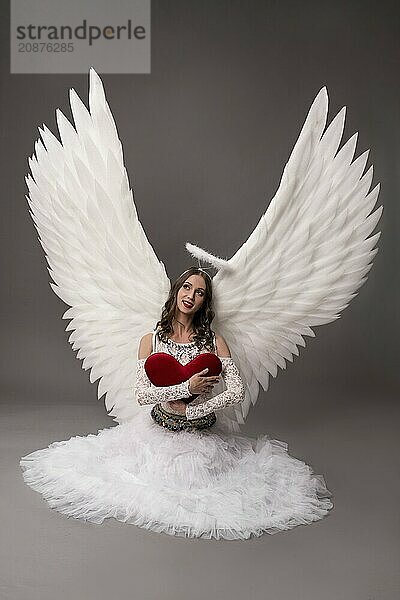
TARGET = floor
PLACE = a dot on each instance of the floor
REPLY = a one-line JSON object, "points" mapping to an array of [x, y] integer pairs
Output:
{"points": [[353, 554]]}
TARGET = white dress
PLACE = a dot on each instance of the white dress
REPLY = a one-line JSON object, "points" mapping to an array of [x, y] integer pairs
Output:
{"points": [[208, 483]]}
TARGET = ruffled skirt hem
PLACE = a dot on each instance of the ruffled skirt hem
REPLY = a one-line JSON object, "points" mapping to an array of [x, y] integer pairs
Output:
{"points": [[210, 484]]}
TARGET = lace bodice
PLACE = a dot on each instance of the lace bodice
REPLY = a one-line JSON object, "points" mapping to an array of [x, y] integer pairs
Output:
{"points": [[182, 352], [203, 404]]}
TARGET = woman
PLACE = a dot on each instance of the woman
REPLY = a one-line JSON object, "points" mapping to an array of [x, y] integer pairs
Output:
{"points": [[174, 468], [177, 462], [224, 485], [186, 319]]}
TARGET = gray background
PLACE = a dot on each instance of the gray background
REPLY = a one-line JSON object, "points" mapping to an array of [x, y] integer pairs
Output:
{"points": [[206, 136]]}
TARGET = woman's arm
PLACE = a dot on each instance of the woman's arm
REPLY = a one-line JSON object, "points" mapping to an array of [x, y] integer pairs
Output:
{"points": [[234, 392], [146, 392]]}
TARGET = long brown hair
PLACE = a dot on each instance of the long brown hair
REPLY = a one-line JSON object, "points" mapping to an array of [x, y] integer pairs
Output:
{"points": [[202, 318]]}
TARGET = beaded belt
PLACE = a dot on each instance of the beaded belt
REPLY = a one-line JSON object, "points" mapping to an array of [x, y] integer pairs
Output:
{"points": [[180, 422]]}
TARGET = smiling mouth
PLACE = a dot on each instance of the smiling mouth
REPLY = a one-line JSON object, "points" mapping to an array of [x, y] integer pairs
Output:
{"points": [[187, 304]]}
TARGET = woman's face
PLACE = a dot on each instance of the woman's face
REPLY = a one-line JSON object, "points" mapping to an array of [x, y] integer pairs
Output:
{"points": [[191, 294]]}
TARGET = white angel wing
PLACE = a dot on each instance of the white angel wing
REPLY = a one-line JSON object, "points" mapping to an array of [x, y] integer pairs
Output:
{"points": [[100, 259], [306, 258]]}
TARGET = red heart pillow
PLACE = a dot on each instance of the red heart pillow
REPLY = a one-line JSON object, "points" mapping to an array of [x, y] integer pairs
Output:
{"points": [[163, 369]]}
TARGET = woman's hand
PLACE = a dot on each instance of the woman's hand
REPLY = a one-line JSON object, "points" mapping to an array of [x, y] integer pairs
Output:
{"points": [[199, 383]]}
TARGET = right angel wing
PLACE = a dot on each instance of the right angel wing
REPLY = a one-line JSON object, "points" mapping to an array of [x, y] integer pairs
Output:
{"points": [[305, 260], [99, 257]]}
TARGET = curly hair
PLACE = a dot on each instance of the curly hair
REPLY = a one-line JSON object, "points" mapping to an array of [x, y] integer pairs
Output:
{"points": [[202, 318]]}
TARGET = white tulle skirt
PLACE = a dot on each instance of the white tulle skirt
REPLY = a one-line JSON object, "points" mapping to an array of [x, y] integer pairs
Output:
{"points": [[210, 483]]}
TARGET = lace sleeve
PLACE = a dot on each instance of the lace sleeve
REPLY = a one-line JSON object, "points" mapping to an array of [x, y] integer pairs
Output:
{"points": [[233, 394], [147, 393]]}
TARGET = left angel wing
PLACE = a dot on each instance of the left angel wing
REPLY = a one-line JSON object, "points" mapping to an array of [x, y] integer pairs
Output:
{"points": [[305, 260], [99, 257]]}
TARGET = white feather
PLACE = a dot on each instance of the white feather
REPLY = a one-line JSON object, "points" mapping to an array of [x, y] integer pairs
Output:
{"points": [[99, 258], [205, 256], [306, 258]]}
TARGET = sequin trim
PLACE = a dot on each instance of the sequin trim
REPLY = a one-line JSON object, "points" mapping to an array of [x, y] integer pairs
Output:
{"points": [[180, 422]]}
